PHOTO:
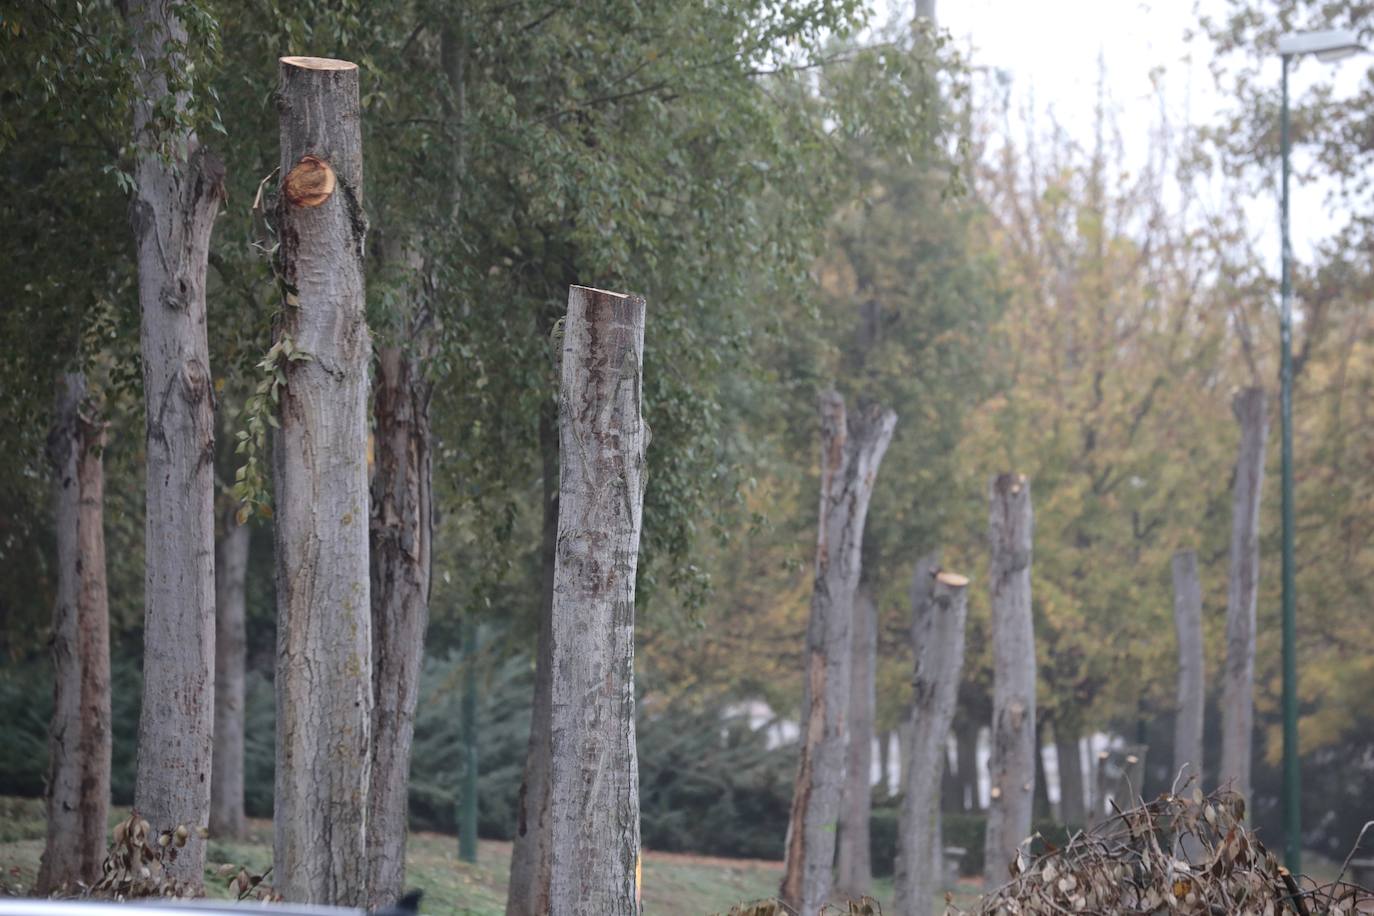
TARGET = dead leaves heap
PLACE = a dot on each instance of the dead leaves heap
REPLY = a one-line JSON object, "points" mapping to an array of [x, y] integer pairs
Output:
{"points": [[1176, 854]]}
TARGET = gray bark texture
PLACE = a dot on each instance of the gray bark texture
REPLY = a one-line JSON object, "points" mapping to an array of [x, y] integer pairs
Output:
{"points": [[530, 852], [1238, 687], [1012, 761], [179, 187], [1072, 810], [401, 535], [939, 609], [594, 778], [925, 9], [78, 796], [1191, 685], [854, 860], [852, 448], [231, 648], [324, 634]]}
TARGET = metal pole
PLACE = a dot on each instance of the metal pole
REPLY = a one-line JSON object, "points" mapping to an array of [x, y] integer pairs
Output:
{"points": [[1292, 781], [467, 808]]}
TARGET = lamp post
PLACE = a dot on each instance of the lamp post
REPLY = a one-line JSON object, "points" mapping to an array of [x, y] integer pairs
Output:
{"points": [[1327, 46]]}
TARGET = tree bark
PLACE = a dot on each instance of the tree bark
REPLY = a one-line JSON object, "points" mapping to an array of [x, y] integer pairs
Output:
{"points": [[1071, 806], [78, 796], [1191, 698], [925, 9], [854, 859], [1012, 761], [594, 778], [530, 853], [231, 648], [178, 190], [1238, 702], [324, 641], [851, 451], [966, 742], [401, 538], [938, 614]]}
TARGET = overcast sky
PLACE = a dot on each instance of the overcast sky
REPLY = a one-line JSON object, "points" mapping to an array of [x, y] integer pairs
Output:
{"points": [[1051, 49]]}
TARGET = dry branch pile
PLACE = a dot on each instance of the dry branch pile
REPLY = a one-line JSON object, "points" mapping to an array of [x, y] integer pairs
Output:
{"points": [[1174, 855]]}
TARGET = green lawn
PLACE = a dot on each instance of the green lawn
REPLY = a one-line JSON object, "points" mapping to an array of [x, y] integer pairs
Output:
{"points": [[674, 884]]}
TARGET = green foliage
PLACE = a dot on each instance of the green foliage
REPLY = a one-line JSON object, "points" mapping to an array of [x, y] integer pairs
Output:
{"points": [[709, 783]]}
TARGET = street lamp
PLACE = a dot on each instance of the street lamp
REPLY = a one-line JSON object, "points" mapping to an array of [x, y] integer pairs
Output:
{"points": [[1328, 45]]}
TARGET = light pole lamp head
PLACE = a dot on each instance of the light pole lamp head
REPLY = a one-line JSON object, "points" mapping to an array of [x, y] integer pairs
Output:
{"points": [[1327, 45]]}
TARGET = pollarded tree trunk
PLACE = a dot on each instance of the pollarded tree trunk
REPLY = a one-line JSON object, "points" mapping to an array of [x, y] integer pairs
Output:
{"points": [[851, 451], [854, 861], [178, 190], [231, 648], [530, 852], [594, 778], [1012, 761], [939, 611], [1191, 698], [78, 797], [324, 642], [401, 536], [1238, 700], [1072, 811]]}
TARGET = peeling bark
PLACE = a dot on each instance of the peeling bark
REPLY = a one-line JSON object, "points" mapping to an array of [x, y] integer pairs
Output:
{"points": [[939, 610], [594, 778], [401, 537], [324, 643], [1013, 750], [1238, 689], [231, 648], [178, 191], [851, 451], [78, 796], [1191, 697], [854, 862]]}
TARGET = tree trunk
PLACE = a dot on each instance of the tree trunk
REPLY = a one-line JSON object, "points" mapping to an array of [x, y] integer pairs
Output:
{"points": [[851, 451], [1071, 807], [324, 637], [855, 863], [1040, 807], [530, 853], [1191, 698], [884, 764], [78, 796], [925, 9], [966, 743], [1012, 761], [1238, 700], [231, 648], [594, 779], [401, 538], [939, 611], [179, 187]]}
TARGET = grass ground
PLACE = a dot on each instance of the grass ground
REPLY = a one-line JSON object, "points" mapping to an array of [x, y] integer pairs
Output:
{"points": [[675, 884]]}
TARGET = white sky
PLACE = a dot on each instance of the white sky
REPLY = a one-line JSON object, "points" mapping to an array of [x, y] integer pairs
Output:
{"points": [[1051, 49]]}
